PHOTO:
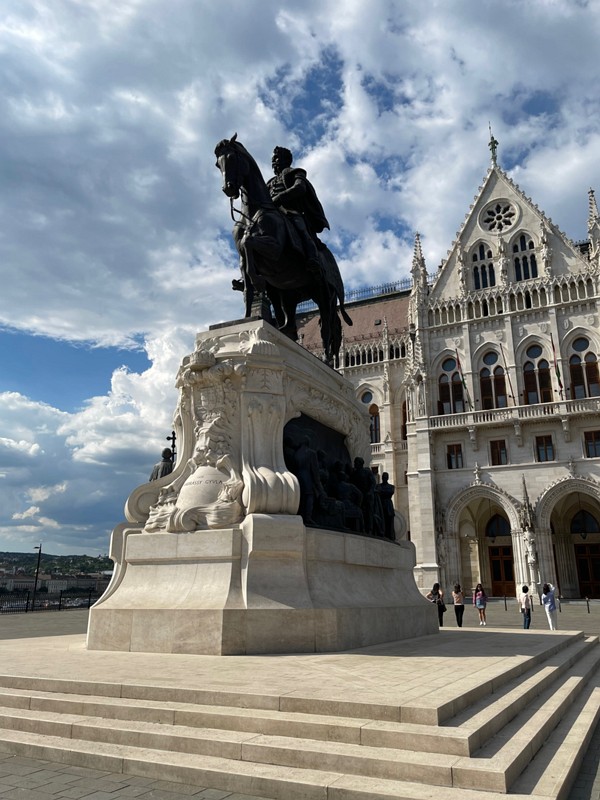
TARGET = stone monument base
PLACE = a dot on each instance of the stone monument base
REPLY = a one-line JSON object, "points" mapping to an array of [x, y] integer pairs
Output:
{"points": [[267, 585]]}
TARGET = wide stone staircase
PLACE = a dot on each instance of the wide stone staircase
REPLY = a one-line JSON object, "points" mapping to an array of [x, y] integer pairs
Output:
{"points": [[523, 732]]}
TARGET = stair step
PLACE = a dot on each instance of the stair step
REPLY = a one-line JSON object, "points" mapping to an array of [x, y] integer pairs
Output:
{"points": [[485, 719], [524, 730], [433, 768], [557, 763], [396, 735], [500, 762], [265, 780]]}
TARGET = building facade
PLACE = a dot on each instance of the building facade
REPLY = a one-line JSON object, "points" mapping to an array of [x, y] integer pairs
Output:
{"points": [[483, 389]]}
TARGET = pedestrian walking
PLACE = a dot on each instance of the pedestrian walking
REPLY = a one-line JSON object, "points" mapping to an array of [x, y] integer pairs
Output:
{"points": [[436, 595], [458, 598], [549, 603], [526, 603], [480, 603]]}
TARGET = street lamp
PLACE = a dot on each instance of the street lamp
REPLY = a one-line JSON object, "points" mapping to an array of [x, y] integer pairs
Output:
{"points": [[37, 572]]}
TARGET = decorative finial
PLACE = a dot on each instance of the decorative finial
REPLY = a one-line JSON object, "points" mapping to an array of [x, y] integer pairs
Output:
{"points": [[493, 145]]}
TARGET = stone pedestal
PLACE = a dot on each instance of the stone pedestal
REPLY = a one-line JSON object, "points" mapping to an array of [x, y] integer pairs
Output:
{"points": [[214, 558], [269, 585]]}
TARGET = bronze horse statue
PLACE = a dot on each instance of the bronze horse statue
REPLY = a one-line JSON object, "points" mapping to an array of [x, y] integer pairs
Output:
{"points": [[270, 261]]}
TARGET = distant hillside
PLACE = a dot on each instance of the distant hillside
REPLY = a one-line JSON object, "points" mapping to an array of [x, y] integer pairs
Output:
{"points": [[67, 565]]}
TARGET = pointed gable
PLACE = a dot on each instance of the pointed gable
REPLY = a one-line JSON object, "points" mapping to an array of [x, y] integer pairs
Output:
{"points": [[504, 239]]}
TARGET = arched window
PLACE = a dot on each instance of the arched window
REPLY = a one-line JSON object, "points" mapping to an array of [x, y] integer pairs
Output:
{"points": [[536, 377], [583, 523], [374, 423], [497, 526], [492, 383], [483, 268], [374, 430], [524, 258], [451, 400], [583, 368]]}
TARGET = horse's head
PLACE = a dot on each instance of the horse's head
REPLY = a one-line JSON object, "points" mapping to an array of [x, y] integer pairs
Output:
{"points": [[233, 165]]}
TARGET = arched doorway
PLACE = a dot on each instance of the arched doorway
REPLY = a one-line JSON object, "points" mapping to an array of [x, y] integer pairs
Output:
{"points": [[575, 528], [500, 553], [587, 553]]}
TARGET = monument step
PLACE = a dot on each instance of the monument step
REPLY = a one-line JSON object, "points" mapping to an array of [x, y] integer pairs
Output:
{"points": [[485, 718], [496, 766], [463, 735], [503, 759], [283, 751], [265, 780], [557, 764], [433, 710]]}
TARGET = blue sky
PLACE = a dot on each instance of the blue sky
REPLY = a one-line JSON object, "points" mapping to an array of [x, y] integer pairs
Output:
{"points": [[115, 240], [61, 373]]}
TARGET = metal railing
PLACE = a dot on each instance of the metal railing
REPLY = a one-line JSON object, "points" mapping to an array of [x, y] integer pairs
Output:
{"points": [[365, 293], [57, 601]]}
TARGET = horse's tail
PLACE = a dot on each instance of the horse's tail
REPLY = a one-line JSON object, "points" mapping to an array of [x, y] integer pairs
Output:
{"points": [[333, 278]]}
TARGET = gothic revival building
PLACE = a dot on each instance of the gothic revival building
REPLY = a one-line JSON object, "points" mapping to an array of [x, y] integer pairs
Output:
{"points": [[483, 390]]}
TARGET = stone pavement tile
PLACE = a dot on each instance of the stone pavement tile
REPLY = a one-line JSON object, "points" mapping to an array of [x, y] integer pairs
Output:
{"points": [[162, 794], [213, 794], [132, 791], [237, 796], [65, 790], [123, 777], [100, 796], [53, 776], [99, 785], [23, 781], [77, 792], [31, 794], [84, 772], [182, 788], [16, 768]]}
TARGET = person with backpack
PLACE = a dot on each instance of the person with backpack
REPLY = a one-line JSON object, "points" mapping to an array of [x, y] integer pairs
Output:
{"points": [[436, 595]]}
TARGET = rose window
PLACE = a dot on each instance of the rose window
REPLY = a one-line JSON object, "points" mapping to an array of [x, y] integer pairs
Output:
{"points": [[499, 216]]}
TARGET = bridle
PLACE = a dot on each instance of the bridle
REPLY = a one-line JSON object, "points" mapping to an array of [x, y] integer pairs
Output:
{"points": [[232, 209]]}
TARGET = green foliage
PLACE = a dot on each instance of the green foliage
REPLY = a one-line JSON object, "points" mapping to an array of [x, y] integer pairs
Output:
{"points": [[65, 565]]}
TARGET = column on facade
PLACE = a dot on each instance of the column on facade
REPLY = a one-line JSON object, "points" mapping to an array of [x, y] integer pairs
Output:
{"points": [[421, 503]]}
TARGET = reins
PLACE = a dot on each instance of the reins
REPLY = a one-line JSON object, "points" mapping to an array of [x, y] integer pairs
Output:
{"points": [[258, 204]]}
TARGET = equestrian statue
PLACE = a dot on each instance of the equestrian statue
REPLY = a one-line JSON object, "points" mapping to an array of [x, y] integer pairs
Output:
{"points": [[276, 238]]}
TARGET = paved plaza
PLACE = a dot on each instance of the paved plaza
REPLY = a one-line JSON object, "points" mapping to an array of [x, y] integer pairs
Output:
{"points": [[30, 640]]}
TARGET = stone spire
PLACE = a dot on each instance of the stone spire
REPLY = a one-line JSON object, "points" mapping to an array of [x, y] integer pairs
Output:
{"points": [[417, 308], [418, 269], [526, 509]]}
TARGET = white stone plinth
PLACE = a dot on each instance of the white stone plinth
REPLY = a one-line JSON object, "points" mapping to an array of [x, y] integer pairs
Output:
{"points": [[214, 558], [269, 585]]}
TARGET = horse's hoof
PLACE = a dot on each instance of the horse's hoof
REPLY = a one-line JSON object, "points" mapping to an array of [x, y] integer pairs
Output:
{"points": [[237, 285]]}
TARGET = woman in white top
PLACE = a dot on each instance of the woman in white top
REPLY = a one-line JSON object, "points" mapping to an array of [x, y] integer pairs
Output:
{"points": [[525, 602], [458, 599]]}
